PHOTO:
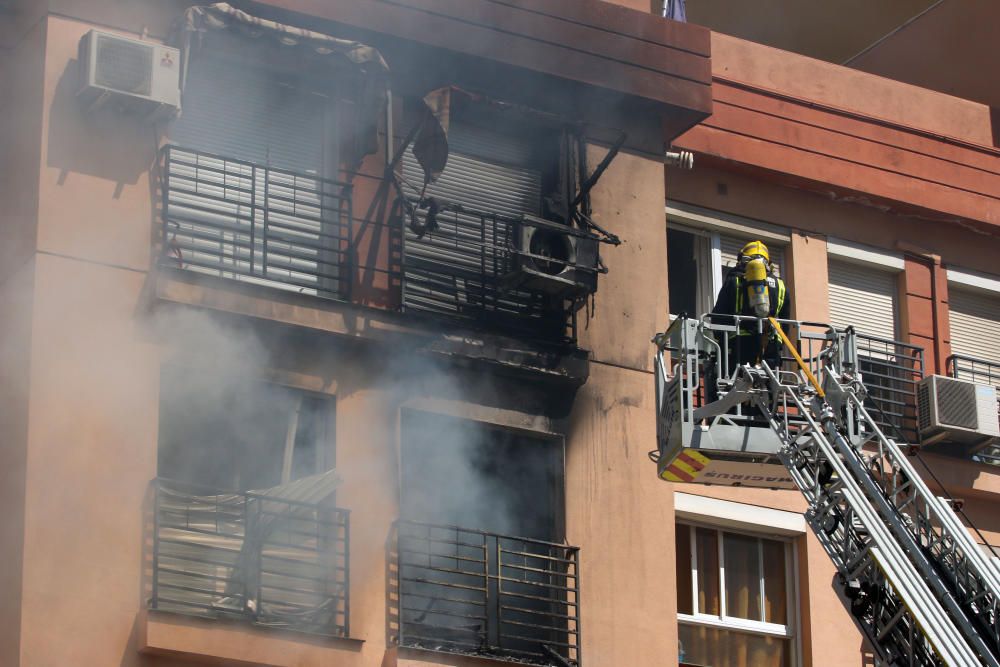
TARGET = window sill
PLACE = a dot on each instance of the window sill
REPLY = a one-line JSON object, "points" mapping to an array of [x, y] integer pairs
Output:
{"points": [[164, 633], [737, 625]]}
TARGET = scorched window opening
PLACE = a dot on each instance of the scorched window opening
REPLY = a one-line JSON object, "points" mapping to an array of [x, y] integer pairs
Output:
{"points": [[482, 567]]}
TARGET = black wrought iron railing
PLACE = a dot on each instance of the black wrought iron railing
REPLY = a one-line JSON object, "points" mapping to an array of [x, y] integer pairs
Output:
{"points": [[255, 557], [891, 370], [332, 239], [478, 593], [962, 367], [244, 221]]}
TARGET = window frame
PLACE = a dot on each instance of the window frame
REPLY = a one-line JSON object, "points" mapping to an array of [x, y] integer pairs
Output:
{"points": [[744, 519], [712, 225], [326, 443], [724, 621]]}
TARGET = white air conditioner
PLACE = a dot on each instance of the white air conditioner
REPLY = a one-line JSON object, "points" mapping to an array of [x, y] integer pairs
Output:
{"points": [[553, 259], [129, 74], [957, 411]]}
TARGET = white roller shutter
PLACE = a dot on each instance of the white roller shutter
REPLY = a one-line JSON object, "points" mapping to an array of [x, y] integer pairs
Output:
{"points": [[731, 246], [863, 296], [975, 323]]}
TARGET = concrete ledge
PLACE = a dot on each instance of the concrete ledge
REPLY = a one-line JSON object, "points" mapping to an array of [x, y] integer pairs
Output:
{"points": [[564, 365], [234, 643]]}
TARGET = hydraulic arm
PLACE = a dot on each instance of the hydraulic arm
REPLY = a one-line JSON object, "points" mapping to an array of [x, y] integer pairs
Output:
{"points": [[918, 584]]}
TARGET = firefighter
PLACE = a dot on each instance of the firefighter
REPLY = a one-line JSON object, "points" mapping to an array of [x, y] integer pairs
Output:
{"points": [[752, 288]]}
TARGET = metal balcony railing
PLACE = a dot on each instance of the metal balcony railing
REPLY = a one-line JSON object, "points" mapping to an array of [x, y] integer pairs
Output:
{"points": [[259, 224], [478, 593], [250, 556], [891, 371], [962, 367], [327, 238], [460, 270]]}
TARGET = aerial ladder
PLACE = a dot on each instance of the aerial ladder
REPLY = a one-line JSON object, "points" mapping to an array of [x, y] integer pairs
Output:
{"points": [[919, 586]]}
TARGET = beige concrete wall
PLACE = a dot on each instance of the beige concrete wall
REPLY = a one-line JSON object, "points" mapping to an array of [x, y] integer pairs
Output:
{"points": [[15, 341], [20, 141], [808, 278], [96, 201], [631, 302], [621, 517], [21, 76], [735, 59]]}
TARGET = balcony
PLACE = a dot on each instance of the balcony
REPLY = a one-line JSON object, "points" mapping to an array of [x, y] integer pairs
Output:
{"points": [[296, 232], [891, 371], [980, 371], [263, 558], [482, 594]]}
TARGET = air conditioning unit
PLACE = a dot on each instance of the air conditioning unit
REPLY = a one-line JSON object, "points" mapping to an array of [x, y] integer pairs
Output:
{"points": [[132, 75], [552, 258], [957, 411]]}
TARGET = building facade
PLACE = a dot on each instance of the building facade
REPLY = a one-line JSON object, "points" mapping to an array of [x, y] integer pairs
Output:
{"points": [[348, 362]]}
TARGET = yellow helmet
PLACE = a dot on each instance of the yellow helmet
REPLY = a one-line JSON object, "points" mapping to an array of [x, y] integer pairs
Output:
{"points": [[755, 249]]}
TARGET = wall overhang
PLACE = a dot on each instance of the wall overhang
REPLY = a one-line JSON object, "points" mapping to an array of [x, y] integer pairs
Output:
{"points": [[589, 42], [855, 138]]}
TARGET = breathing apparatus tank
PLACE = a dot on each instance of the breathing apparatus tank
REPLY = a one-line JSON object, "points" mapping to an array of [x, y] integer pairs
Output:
{"points": [[757, 292]]}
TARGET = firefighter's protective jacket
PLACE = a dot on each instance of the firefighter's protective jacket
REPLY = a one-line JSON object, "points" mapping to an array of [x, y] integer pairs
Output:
{"points": [[733, 299]]}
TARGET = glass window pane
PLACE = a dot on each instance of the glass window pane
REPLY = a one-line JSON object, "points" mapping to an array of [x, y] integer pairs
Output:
{"points": [[708, 570], [717, 647], [775, 579], [683, 542], [742, 563], [682, 272]]}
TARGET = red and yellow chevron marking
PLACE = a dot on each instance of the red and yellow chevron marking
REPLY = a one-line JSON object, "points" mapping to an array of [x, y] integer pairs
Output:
{"points": [[685, 467]]}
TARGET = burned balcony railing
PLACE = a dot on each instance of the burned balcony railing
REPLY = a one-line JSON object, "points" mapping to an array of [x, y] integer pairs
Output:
{"points": [[514, 273], [980, 371], [299, 232], [256, 557], [240, 220], [478, 593], [891, 371]]}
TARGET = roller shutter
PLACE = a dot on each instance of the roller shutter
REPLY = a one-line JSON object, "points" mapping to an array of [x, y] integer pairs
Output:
{"points": [[248, 113], [271, 144], [455, 269], [975, 323], [863, 296]]}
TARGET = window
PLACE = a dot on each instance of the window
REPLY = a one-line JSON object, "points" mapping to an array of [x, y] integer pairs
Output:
{"points": [[974, 305], [240, 436], [251, 174], [482, 568], [502, 165], [735, 602], [245, 504], [863, 296], [702, 246]]}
